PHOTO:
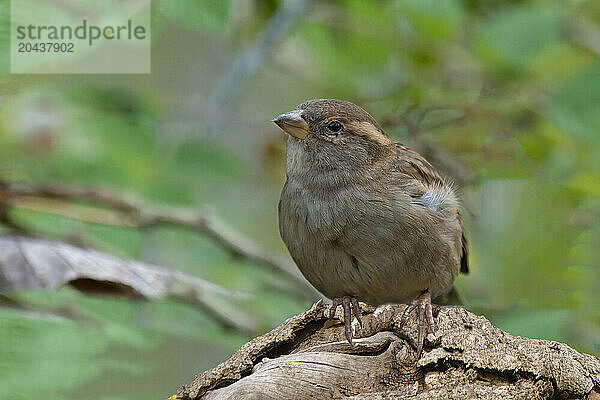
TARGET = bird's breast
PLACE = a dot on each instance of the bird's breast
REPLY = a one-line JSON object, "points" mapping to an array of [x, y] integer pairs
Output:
{"points": [[320, 214]]}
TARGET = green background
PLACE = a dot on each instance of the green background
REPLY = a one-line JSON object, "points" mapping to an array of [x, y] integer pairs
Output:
{"points": [[503, 96]]}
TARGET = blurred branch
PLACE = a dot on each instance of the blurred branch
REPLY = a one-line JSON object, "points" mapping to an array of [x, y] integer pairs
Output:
{"points": [[250, 60], [119, 210], [111, 200], [212, 111], [34, 264], [415, 127]]}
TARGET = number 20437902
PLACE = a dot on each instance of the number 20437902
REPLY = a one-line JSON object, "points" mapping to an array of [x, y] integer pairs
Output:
{"points": [[45, 47]]}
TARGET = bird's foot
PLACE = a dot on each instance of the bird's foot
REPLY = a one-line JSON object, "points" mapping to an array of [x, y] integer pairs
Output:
{"points": [[348, 303], [425, 314]]}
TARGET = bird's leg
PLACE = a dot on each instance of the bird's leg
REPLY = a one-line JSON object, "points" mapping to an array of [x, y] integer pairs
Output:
{"points": [[336, 302], [348, 303], [425, 317], [357, 310]]}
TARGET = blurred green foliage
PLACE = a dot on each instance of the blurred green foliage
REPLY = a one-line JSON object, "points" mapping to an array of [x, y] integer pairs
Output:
{"points": [[507, 90]]}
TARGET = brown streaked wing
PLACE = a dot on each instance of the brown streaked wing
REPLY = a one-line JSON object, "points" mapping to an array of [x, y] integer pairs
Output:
{"points": [[412, 164], [464, 256]]}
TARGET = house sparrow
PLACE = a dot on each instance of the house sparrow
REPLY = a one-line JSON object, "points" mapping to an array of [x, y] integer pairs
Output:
{"points": [[365, 218]]}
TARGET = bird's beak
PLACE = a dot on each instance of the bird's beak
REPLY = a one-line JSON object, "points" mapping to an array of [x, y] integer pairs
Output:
{"points": [[293, 124]]}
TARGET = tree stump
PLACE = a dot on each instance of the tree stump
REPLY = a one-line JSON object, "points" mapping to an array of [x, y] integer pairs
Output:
{"points": [[307, 357]]}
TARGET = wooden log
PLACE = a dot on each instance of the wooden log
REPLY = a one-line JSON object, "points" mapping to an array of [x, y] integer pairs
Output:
{"points": [[307, 357]]}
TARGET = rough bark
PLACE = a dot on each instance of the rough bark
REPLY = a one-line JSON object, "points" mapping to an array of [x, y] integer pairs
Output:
{"points": [[307, 357]]}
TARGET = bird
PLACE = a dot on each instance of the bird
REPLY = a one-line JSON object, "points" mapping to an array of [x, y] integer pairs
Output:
{"points": [[365, 218]]}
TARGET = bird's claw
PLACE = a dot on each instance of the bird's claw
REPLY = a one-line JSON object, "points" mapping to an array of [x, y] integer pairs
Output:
{"points": [[348, 303], [425, 317]]}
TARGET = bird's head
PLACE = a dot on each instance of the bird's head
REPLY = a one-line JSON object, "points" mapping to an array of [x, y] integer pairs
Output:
{"points": [[329, 134]]}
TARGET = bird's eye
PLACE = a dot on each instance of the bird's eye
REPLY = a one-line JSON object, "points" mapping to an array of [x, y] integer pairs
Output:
{"points": [[334, 126]]}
